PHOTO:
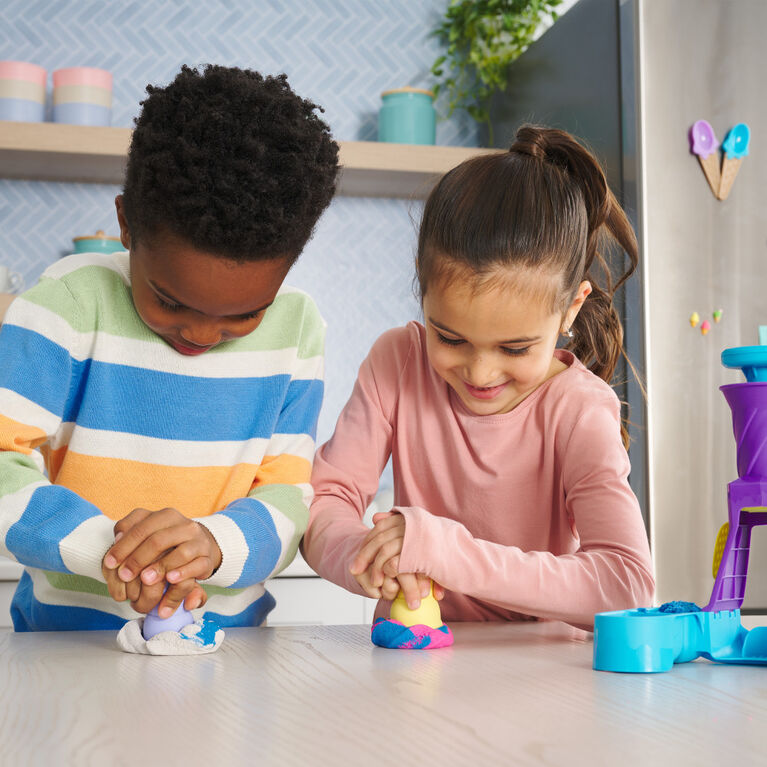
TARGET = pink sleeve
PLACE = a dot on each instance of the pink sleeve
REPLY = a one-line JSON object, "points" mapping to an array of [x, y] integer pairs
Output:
{"points": [[612, 569], [347, 467]]}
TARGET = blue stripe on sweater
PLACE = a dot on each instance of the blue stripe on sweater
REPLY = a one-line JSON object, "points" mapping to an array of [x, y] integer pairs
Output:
{"points": [[104, 396], [264, 547], [29, 614], [52, 513]]}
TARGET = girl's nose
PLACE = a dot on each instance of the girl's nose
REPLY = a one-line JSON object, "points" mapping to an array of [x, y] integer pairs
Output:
{"points": [[480, 373]]}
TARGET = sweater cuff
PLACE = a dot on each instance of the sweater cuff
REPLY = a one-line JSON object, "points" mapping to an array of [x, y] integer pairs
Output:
{"points": [[234, 549], [83, 550], [414, 557]]}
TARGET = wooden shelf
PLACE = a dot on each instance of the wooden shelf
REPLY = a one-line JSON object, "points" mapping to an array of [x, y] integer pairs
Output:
{"points": [[57, 152]]}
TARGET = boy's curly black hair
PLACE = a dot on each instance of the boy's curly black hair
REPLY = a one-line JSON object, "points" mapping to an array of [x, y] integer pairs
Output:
{"points": [[233, 162]]}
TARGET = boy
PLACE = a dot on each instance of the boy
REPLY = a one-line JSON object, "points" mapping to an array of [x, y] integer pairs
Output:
{"points": [[174, 388]]}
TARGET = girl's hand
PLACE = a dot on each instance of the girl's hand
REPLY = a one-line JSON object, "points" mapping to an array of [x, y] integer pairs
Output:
{"points": [[376, 566], [381, 544]]}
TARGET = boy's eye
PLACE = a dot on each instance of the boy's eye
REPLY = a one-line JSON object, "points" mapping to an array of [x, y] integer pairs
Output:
{"points": [[449, 341], [167, 305]]}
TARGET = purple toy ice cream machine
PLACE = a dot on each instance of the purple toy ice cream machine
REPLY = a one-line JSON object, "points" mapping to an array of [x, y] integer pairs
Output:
{"points": [[653, 639]]}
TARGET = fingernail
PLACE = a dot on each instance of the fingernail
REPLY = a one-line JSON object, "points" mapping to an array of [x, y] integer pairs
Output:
{"points": [[118, 536], [149, 576], [110, 562], [173, 576], [165, 612], [125, 574], [413, 604]]}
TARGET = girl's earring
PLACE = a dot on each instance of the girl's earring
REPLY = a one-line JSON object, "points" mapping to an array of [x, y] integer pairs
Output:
{"points": [[568, 333]]}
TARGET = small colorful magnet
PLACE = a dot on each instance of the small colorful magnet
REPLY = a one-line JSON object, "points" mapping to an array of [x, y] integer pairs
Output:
{"points": [[694, 319], [703, 143], [735, 148], [705, 327], [717, 315]]}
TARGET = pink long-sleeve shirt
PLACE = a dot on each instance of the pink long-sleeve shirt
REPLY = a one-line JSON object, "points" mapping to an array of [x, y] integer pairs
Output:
{"points": [[527, 513]]}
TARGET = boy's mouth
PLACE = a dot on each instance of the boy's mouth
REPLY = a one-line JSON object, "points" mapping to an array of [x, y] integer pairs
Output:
{"points": [[190, 351]]}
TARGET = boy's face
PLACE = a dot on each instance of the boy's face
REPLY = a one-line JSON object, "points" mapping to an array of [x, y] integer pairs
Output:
{"points": [[195, 300]]}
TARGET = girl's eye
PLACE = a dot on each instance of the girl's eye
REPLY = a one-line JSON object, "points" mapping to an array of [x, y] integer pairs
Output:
{"points": [[515, 352], [449, 341], [245, 317]]}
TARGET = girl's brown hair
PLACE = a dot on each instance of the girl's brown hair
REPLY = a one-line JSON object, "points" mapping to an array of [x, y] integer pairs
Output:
{"points": [[544, 205]]}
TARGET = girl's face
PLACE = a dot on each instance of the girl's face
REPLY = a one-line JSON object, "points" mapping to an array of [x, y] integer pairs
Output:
{"points": [[495, 346], [195, 300]]}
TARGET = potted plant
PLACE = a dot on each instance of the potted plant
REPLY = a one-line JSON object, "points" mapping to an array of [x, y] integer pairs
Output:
{"points": [[483, 37]]}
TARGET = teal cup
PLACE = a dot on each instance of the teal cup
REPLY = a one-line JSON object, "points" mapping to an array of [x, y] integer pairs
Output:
{"points": [[97, 243], [407, 116]]}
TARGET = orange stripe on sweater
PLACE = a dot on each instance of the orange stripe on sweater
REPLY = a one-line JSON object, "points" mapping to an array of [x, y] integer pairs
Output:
{"points": [[117, 486], [19, 437], [283, 469]]}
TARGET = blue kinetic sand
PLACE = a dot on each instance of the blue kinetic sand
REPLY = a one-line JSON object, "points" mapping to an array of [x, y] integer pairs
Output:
{"points": [[654, 639]]}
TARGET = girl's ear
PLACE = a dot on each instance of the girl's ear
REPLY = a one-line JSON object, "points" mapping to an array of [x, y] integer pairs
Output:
{"points": [[124, 231], [584, 289]]}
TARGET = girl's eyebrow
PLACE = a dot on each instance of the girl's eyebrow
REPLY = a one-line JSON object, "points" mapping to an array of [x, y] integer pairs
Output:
{"points": [[522, 340], [164, 293]]}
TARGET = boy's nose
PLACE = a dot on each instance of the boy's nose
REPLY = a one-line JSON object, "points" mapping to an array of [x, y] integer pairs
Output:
{"points": [[201, 335]]}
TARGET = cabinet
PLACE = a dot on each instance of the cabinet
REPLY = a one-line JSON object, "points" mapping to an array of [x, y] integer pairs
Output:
{"points": [[57, 152]]}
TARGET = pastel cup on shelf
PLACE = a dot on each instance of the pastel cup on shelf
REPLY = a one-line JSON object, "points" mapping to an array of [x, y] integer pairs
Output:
{"points": [[407, 116], [97, 243], [82, 96], [22, 91]]}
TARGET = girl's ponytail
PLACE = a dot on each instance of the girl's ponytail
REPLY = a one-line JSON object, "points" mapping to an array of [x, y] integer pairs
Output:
{"points": [[597, 330]]}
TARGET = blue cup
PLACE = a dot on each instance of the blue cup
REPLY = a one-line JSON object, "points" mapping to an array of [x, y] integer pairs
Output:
{"points": [[407, 116]]}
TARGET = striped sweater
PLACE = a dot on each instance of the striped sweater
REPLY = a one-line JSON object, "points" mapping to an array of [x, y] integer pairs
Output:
{"points": [[99, 416]]}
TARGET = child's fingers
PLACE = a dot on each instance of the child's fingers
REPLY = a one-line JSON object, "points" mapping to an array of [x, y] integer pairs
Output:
{"points": [[424, 584], [390, 588], [388, 550], [364, 580], [153, 548], [370, 547], [148, 597], [411, 589], [439, 591], [199, 569], [122, 547], [197, 598], [174, 596], [391, 568]]}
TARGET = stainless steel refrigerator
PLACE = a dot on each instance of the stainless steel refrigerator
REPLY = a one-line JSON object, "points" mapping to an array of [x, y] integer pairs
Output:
{"points": [[630, 77]]}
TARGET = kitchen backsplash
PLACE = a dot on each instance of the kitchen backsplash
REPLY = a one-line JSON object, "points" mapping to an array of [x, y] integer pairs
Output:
{"points": [[340, 53]]}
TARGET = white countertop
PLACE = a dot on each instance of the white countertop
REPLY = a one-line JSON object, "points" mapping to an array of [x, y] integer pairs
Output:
{"points": [[521, 694]]}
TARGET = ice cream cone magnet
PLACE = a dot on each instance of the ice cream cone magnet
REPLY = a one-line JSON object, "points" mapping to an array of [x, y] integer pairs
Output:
{"points": [[735, 146], [703, 143]]}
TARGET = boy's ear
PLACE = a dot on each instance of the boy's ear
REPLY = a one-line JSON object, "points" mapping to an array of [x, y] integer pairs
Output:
{"points": [[124, 231]]}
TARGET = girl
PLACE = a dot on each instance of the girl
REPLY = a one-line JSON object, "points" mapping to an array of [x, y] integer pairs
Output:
{"points": [[509, 459]]}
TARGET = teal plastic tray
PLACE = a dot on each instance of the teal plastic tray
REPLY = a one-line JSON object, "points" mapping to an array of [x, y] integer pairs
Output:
{"points": [[647, 640]]}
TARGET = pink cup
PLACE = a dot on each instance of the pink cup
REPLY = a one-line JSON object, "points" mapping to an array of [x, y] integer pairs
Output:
{"points": [[99, 78]]}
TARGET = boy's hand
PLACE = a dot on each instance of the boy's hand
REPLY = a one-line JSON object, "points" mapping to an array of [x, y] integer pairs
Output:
{"points": [[153, 547]]}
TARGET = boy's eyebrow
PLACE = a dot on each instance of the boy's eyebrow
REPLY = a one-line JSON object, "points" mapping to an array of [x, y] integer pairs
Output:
{"points": [[164, 293], [524, 339]]}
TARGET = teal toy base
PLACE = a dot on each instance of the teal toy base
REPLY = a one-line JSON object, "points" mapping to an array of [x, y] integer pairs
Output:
{"points": [[647, 640]]}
